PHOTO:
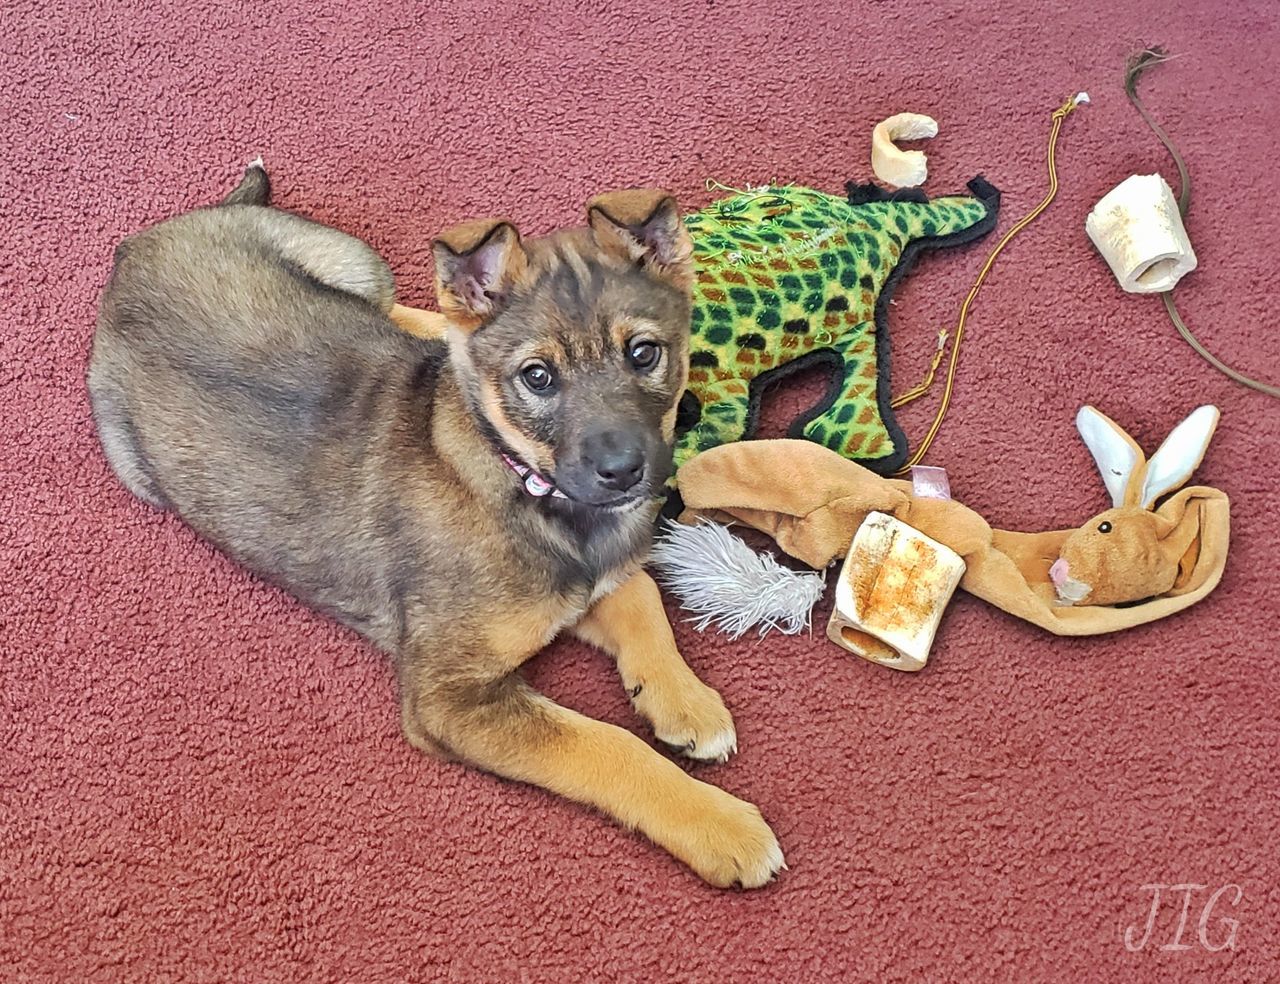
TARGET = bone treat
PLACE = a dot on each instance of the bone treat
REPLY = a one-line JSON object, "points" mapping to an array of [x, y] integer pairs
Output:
{"points": [[1138, 231], [891, 593]]}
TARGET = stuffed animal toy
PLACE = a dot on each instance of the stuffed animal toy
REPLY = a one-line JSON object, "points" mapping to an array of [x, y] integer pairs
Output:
{"points": [[1142, 559], [1132, 551], [789, 277]]}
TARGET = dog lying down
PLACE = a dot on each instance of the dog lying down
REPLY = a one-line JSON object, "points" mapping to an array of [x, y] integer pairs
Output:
{"points": [[458, 503]]}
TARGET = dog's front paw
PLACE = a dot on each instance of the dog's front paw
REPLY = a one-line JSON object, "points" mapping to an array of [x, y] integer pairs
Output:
{"points": [[730, 844], [689, 716]]}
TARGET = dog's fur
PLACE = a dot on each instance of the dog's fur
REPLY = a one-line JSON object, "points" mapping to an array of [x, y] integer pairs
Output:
{"points": [[246, 375]]}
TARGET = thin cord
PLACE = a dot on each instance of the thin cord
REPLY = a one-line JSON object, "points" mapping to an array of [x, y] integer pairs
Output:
{"points": [[1138, 64], [1060, 114], [1208, 356], [921, 388]]}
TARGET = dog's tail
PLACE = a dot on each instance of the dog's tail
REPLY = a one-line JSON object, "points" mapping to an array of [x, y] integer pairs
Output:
{"points": [[254, 188]]}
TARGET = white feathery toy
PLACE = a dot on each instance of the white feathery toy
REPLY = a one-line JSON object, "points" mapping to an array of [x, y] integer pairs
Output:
{"points": [[727, 584]]}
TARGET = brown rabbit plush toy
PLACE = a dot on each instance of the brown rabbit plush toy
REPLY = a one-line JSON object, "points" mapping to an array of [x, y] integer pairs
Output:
{"points": [[1131, 552], [1150, 556]]}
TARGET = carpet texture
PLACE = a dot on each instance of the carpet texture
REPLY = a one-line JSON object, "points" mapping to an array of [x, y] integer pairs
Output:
{"points": [[201, 781]]}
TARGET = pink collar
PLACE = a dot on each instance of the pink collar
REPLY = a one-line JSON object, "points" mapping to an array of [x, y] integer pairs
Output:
{"points": [[534, 484]]}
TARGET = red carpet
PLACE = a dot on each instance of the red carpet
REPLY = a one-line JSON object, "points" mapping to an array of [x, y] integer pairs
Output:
{"points": [[200, 781]]}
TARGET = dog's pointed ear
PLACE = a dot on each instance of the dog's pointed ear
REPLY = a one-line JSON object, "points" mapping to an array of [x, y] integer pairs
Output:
{"points": [[643, 225], [477, 263]]}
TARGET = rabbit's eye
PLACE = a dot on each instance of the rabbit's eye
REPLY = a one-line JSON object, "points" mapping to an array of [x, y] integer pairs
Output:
{"points": [[1104, 528]]}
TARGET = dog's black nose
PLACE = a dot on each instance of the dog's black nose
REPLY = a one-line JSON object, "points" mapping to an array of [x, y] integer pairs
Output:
{"points": [[618, 461]]}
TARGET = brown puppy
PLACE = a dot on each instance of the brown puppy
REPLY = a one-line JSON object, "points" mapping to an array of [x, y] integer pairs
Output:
{"points": [[458, 503]]}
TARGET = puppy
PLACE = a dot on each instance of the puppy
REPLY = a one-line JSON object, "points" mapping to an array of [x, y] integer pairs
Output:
{"points": [[457, 502]]}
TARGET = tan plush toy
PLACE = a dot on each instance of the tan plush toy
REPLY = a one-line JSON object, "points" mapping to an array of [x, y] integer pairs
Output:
{"points": [[1132, 551], [1154, 557]]}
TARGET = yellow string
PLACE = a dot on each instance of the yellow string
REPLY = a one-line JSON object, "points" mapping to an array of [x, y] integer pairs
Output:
{"points": [[713, 185], [1060, 114], [921, 388]]}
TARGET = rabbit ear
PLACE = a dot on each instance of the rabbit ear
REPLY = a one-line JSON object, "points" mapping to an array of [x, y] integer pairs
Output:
{"points": [[1179, 455], [1118, 457]]}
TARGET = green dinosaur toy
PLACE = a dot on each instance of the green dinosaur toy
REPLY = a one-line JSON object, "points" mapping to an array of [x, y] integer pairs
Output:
{"points": [[788, 277]]}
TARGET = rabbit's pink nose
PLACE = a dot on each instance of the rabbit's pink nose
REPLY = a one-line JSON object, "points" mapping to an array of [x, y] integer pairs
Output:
{"points": [[1059, 573]]}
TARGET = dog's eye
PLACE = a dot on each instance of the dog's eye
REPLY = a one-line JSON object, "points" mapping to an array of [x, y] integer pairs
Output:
{"points": [[1104, 528], [644, 355], [537, 377]]}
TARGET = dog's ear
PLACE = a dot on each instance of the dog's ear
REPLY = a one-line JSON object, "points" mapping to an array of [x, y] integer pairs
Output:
{"points": [[643, 225], [477, 263]]}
